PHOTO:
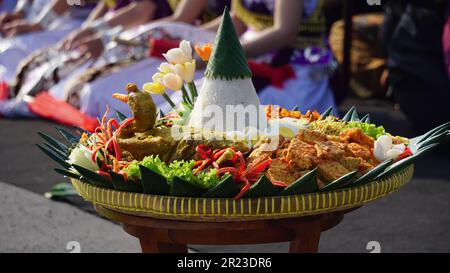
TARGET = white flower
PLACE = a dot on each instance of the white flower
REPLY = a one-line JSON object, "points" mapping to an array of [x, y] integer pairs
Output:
{"points": [[165, 68], [172, 81], [82, 156], [186, 71], [181, 54], [154, 88], [384, 148], [157, 77]]}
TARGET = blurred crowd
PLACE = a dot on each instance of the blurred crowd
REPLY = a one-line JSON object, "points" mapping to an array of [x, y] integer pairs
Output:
{"points": [[63, 59]]}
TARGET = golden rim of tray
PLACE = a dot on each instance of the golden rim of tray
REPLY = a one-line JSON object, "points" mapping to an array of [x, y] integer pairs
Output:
{"points": [[247, 209]]}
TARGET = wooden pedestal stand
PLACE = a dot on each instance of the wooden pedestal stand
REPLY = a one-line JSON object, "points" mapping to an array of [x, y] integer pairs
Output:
{"points": [[171, 236]]}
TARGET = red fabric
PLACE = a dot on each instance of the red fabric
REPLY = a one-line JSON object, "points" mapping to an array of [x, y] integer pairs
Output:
{"points": [[4, 90], [48, 107], [276, 75], [160, 47]]}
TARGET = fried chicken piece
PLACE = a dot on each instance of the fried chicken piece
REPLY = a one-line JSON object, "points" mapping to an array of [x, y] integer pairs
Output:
{"points": [[331, 170], [262, 150], [280, 170], [265, 147], [350, 163], [358, 150], [283, 149], [358, 136], [311, 136], [330, 150], [365, 166], [301, 154]]}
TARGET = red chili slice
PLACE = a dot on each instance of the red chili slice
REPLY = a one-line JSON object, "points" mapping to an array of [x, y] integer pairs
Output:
{"points": [[231, 170], [198, 163], [104, 174], [204, 164], [241, 162], [406, 153], [243, 191], [218, 153], [204, 151], [105, 116], [255, 170], [124, 124], [112, 122], [94, 154], [279, 184], [117, 151]]}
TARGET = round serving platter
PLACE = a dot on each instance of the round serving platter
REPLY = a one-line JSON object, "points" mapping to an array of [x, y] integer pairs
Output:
{"points": [[246, 209]]}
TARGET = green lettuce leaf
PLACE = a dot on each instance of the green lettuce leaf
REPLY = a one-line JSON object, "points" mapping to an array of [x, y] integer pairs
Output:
{"points": [[332, 126], [181, 169], [369, 129]]}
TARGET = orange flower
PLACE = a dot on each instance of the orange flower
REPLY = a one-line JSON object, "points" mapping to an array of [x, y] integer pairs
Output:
{"points": [[204, 52]]}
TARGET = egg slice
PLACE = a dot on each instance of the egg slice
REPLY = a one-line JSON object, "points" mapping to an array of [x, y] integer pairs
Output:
{"points": [[287, 127]]}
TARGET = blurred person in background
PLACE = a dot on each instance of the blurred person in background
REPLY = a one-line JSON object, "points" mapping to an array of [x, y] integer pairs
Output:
{"points": [[105, 46], [418, 77], [81, 48], [34, 25], [75, 51], [15, 11], [285, 39], [368, 59], [92, 90]]}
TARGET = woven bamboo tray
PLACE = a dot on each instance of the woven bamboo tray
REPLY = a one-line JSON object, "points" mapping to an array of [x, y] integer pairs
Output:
{"points": [[247, 209]]}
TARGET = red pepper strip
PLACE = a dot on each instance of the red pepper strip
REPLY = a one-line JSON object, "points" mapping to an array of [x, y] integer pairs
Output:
{"points": [[219, 153], [198, 163], [405, 154], [124, 124], [99, 132], [112, 122], [258, 168], [279, 184], [117, 151], [104, 174], [105, 167], [231, 170], [235, 157], [243, 191], [204, 164], [94, 153], [241, 163], [204, 151], [253, 180], [105, 116], [116, 165]]}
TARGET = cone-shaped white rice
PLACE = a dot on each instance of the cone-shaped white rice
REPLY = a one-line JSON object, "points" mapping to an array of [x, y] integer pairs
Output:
{"points": [[227, 100], [214, 97]]}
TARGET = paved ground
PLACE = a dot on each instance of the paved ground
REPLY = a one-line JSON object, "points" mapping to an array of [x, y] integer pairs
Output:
{"points": [[31, 223], [416, 219]]}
